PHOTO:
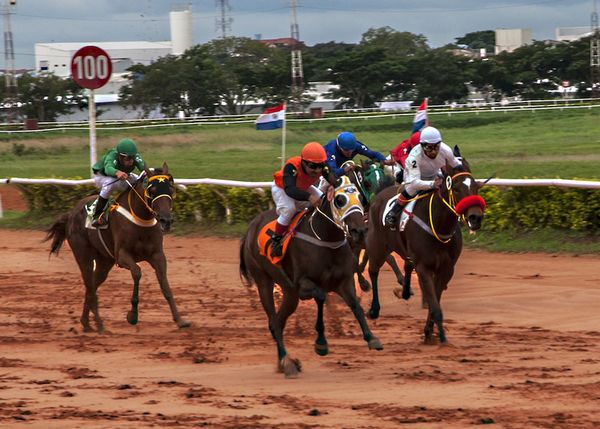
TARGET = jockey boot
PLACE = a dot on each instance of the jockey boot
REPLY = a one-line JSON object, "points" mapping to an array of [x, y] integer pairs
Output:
{"points": [[391, 219], [276, 240], [96, 219]]}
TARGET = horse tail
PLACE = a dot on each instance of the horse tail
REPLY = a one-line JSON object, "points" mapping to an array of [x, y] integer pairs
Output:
{"points": [[244, 274], [57, 233]]}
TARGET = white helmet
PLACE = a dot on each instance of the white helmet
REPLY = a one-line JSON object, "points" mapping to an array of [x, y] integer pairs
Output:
{"points": [[430, 135]]}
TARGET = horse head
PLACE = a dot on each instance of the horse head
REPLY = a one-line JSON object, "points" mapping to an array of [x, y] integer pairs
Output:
{"points": [[347, 209], [159, 193], [465, 189]]}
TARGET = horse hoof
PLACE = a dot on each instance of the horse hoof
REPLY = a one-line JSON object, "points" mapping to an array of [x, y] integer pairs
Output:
{"points": [[290, 367], [398, 292], [132, 318], [430, 341], [365, 286], [375, 344], [373, 314], [184, 324], [87, 329], [321, 349]]}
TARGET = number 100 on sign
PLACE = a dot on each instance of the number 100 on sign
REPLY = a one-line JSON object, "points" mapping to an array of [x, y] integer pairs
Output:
{"points": [[91, 67]]}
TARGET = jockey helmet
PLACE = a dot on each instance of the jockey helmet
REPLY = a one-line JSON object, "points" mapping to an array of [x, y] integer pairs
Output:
{"points": [[127, 147], [313, 152], [430, 135], [346, 141]]}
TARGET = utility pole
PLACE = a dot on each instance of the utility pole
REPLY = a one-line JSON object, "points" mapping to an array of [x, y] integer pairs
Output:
{"points": [[223, 24], [297, 70], [10, 80], [595, 53]]}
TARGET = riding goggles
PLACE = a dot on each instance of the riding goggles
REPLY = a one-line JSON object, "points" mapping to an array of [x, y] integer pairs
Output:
{"points": [[124, 155], [430, 147], [315, 165]]}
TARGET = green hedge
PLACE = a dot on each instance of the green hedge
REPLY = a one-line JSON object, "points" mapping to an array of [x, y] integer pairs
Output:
{"points": [[515, 208]]}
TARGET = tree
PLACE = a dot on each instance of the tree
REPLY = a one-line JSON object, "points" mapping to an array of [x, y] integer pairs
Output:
{"points": [[47, 96], [479, 39]]}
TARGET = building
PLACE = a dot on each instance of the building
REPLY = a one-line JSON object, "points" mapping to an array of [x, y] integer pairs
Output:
{"points": [[570, 34], [507, 40]]}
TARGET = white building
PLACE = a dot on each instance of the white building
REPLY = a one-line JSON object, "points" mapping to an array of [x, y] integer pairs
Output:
{"points": [[570, 34], [510, 39]]}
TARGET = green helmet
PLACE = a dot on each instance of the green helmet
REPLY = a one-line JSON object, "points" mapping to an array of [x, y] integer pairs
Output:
{"points": [[127, 147]]}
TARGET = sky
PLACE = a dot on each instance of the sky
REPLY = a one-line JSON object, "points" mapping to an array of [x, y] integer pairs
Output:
{"points": [[319, 21]]}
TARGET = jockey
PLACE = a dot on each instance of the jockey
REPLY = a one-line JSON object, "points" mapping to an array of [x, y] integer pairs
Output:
{"points": [[423, 170], [400, 152], [111, 172], [344, 148], [295, 189]]}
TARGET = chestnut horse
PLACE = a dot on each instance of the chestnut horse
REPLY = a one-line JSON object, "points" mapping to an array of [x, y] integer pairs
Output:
{"points": [[318, 260], [431, 239], [134, 233]]}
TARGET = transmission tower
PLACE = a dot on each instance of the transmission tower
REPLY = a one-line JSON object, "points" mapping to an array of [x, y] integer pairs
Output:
{"points": [[223, 23], [10, 80], [595, 54], [297, 71]]}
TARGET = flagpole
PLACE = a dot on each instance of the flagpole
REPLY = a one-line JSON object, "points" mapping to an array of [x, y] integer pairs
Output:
{"points": [[283, 138]]}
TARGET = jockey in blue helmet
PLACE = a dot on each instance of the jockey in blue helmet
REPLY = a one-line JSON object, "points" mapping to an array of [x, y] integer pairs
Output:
{"points": [[344, 148]]}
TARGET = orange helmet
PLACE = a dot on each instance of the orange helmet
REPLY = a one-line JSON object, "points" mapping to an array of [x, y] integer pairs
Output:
{"points": [[313, 152]]}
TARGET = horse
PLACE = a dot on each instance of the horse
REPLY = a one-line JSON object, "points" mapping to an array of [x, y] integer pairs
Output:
{"points": [[134, 233], [318, 260], [431, 240], [370, 180]]}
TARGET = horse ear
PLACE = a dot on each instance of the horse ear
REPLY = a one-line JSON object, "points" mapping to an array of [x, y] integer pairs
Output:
{"points": [[456, 151], [165, 168]]}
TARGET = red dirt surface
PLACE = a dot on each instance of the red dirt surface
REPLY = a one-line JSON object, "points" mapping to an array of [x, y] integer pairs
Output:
{"points": [[523, 329]]}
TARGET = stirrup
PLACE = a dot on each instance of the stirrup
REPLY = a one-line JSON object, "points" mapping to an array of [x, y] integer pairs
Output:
{"points": [[96, 223]]}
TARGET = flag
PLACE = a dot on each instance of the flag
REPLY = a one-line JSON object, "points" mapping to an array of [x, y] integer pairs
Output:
{"points": [[420, 120], [271, 118]]}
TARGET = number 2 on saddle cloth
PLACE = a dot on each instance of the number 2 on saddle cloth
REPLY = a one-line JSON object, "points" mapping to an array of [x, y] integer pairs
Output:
{"points": [[267, 231]]}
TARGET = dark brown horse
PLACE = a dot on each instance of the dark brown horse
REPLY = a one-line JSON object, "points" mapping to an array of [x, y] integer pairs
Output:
{"points": [[431, 239], [318, 260], [134, 234], [370, 180]]}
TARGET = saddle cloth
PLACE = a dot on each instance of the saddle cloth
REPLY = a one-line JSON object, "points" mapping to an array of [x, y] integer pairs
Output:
{"points": [[267, 231]]}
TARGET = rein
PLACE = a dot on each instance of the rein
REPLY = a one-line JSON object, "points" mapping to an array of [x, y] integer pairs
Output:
{"points": [[146, 197]]}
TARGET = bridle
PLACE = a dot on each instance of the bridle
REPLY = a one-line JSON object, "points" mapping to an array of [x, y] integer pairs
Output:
{"points": [[162, 182]]}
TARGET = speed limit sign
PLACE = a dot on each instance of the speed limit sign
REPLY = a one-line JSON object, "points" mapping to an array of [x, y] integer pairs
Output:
{"points": [[91, 67]]}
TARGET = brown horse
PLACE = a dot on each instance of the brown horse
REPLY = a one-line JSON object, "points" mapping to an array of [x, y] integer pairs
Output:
{"points": [[134, 233], [318, 260], [431, 239], [370, 180]]}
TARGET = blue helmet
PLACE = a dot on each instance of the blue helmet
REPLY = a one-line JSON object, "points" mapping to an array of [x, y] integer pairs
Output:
{"points": [[346, 141]]}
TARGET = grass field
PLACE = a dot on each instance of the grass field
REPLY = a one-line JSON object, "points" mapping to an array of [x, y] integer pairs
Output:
{"points": [[542, 144]]}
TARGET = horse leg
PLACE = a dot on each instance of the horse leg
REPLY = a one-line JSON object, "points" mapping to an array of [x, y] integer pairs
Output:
{"points": [[159, 263], [391, 261], [91, 280], [365, 286], [346, 291], [376, 261], [286, 364], [125, 260], [321, 347], [103, 267], [428, 281], [405, 292]]}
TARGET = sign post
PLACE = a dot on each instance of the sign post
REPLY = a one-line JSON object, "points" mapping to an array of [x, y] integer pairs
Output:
{"points": [[91, 68]]}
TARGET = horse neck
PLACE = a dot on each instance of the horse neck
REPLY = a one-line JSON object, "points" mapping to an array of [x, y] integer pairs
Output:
{"points": [[135, 202], [323, 224], [443, 217]]}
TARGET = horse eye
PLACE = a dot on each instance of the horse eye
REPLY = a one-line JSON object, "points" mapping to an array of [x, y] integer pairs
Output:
{"points": [[340, 201]]}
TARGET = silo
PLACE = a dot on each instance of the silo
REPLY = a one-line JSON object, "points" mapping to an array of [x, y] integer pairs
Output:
{"points": [[180, 20]]}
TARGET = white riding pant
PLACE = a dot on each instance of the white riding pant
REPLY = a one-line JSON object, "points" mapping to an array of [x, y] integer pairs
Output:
{"points": [[108, 184], [286, 206]]}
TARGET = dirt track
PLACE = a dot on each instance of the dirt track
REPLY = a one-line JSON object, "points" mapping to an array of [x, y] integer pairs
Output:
{"points": [[524, 350]]}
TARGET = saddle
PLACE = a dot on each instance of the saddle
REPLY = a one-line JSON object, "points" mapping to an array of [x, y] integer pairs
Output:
{"points": [[266, 232]]}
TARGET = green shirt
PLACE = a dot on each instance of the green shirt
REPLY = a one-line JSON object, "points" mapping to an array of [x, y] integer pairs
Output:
{"points": [[109, 164]]}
